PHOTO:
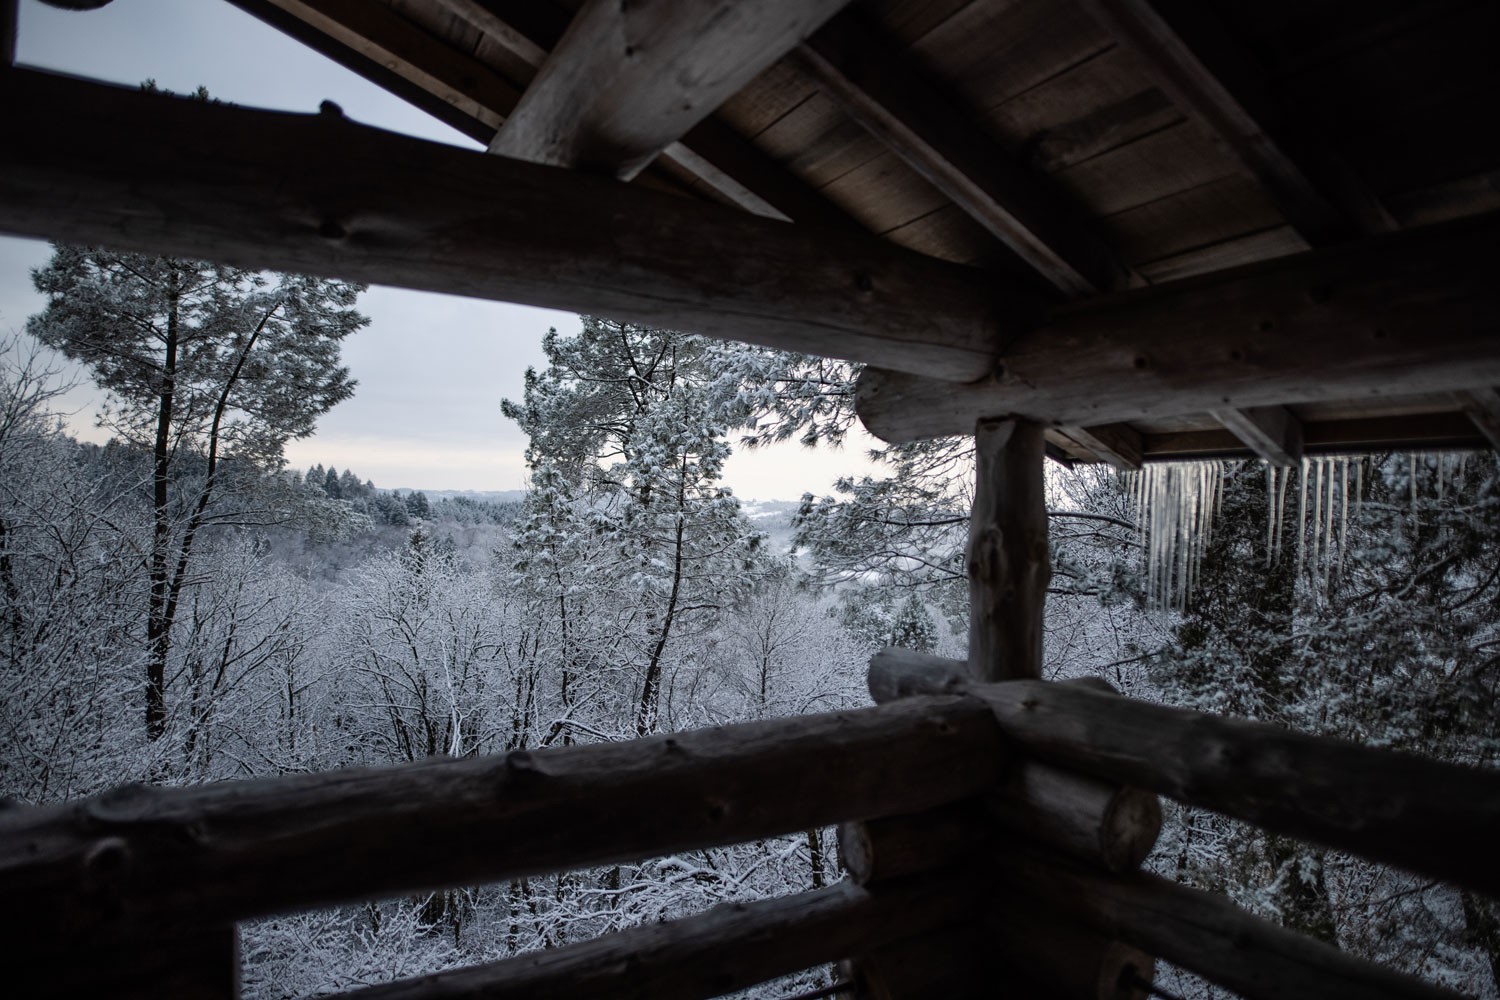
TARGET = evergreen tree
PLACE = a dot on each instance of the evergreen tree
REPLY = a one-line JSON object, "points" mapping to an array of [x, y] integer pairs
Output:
{"points": [[633, 422], [203, 364]]}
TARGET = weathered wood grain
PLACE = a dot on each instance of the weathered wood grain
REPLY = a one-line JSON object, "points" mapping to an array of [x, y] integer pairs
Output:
{"points": [[627, 80], [1117, 444], [128, 861], [1100, 822], [727, 948], [1405, 313], [1205, 933], [1008, 562], [321, 195]]}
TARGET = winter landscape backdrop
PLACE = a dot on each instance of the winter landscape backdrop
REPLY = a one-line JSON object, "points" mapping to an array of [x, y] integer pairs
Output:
{"points": [[177, 605]]}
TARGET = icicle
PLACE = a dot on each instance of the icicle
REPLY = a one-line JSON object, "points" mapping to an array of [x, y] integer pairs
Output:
{"points": [[1413, 483], [1301, 518], [1328, 531], [1343, 516], [1286, 475], [1317, 524], [1175, 507], [1270, 513]]}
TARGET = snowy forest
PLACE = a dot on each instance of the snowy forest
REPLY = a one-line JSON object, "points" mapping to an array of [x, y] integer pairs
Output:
{"points": [[178, 606]]}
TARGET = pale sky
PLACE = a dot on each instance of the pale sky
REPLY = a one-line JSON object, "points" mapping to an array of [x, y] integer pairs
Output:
{"points": [[432, 369]]}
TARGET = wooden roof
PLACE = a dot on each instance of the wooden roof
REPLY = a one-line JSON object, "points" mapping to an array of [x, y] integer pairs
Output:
{"points": [[1091, 164]]}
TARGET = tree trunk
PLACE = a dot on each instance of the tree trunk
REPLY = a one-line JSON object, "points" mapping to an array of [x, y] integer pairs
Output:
{"points": [[645, 719], [158, 628]]}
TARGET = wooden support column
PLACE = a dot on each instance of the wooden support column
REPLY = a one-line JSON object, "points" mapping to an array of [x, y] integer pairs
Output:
{"points": [[1008, 562], [9, 15]]}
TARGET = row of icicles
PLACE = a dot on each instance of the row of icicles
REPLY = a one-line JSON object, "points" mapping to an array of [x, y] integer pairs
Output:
{"points": [[1175, 504]]}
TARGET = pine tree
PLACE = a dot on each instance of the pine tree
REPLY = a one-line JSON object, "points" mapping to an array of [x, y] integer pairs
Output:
{"points": [[203, 364]]}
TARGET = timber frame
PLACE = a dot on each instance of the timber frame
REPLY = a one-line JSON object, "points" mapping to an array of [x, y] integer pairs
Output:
{"points": [[1099, 230]]}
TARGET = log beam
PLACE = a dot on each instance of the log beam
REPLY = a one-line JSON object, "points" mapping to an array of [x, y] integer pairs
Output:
{"points": [[1269, 431], [627, 80], [9, 19], [125, 863], [1482, 407], [1405, 313], [1117, 444], [728, 948], [321, 195], [875, 82], [1008, 562]]}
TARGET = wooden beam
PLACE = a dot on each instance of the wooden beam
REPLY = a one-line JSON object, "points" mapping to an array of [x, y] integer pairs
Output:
{"points": [[1206, 74], [1404, 313], [876, 83], [712, 151], [1482, 406], [131, 860], [1269, 431], [1008, 563], [1117, 444], [725, 949], [628, 80], [321, 195], [1205, 933], [1328, 437]]}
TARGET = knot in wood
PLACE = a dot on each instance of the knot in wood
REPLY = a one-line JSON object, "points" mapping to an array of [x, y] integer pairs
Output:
{"points": [[521, 762]]}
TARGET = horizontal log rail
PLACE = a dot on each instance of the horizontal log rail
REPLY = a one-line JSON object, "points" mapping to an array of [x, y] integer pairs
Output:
{"points": [[727, 948], [319, 194], [1432, 818], [1203, 933], [136, 859]]}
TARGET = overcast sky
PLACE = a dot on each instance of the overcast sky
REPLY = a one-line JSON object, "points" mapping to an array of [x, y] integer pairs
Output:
{"points": [[432, 369]]}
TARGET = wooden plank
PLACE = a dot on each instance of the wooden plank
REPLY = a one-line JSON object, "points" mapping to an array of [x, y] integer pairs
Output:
{"points": [[1211, 214], [1269, 431], [1100, 131], [1280, 241], [1329, 437], [1196, 64], [1397, 314], [1205, 933], [1482, 406], [1117, 444], [233, 850], [626, 81], [878, 86], [723, 950], [321, 195], [1008, 563], [1158, 165]]}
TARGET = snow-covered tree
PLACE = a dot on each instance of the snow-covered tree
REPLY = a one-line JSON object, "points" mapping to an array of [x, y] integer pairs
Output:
{"points": [[204, 365]]}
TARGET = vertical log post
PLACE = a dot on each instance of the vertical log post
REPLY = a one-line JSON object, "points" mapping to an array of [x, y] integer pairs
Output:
{"points": [[1008, 561]]}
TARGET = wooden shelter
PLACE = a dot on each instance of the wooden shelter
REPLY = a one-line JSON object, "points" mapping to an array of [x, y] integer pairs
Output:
{"points": [[1104, 230]]}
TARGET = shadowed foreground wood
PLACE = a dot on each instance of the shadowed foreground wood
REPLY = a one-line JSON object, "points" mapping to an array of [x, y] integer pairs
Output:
{"points": [[125, 861], [728, 948], [318, 194], [1205, 933], [1063, 958], [1433, 818], [1409, 312]]}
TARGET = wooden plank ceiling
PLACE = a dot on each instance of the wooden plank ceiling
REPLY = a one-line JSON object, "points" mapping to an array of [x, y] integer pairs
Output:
{"points": [[1094, 152]]}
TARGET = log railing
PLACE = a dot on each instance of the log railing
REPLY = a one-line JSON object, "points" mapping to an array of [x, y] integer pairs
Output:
{"points": [[992, 833]]}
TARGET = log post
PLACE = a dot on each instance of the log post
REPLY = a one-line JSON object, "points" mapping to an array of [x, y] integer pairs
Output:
{"points": [[880, 849], [1008, 563], [940, 963]]}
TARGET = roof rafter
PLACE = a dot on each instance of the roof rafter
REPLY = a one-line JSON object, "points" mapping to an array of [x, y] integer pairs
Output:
{"points": [[628, 80], [322, 195]]}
